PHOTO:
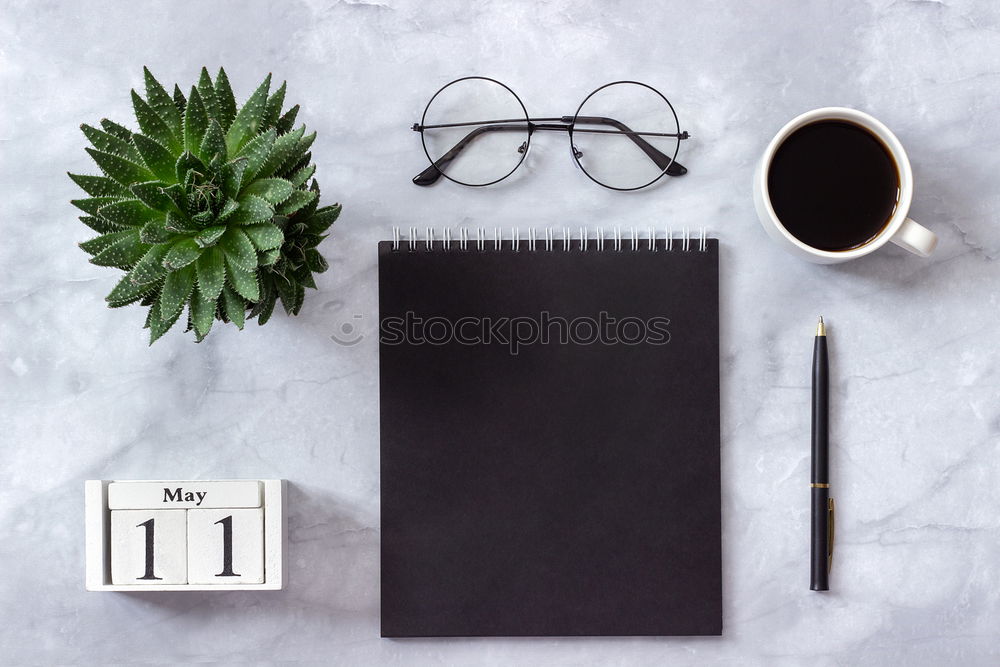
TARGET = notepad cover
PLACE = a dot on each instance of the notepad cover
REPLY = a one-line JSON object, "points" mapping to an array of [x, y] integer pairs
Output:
{"points": [[570, 488]]}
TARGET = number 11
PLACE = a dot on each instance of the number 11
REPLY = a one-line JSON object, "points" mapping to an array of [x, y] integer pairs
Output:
{"points": [[227, 548]]}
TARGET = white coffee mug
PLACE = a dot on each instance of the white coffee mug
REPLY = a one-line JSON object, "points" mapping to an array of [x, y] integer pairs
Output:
{"points": [[900, 229]]}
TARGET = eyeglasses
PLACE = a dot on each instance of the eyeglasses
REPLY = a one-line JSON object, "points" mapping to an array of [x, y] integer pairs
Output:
{"points": [[602, 140]]}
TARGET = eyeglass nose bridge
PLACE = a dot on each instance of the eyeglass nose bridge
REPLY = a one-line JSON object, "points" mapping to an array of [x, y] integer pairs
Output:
{"points": [[562, 124]]}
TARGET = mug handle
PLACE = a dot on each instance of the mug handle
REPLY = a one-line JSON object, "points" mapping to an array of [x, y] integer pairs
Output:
{"points": [[916, 238]]}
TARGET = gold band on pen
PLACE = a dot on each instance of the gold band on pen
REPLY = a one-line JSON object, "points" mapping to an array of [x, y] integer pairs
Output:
{"points": [[817, 485]]}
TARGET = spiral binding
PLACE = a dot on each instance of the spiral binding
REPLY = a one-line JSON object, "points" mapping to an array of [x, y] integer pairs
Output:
{"points": [[633, 242]]}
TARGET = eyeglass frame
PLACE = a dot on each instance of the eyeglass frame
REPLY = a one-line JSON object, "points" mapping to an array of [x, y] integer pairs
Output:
{"points": [[431, 174]]}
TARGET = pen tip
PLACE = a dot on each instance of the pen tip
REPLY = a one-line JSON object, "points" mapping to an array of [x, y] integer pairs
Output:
{"points": [[820, 328]]}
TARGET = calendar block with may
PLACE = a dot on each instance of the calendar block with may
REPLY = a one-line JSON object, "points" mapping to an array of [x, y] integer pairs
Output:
{"points": [[185, 535]]}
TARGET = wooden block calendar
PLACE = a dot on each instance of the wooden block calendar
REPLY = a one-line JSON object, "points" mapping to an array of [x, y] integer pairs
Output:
{"points": [[203, 535]]}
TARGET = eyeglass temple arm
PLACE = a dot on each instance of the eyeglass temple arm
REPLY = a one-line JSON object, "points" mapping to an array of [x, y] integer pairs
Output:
{"points": [[431, 174], [662, 160]]}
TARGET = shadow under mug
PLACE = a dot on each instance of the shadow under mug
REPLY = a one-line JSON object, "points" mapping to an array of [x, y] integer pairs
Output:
{"points": [[900, 229]]}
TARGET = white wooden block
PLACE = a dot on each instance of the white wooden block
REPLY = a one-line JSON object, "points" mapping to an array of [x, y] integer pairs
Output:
{"points": [[99, 542], [148, 547], [183, 495], [226, 546]]}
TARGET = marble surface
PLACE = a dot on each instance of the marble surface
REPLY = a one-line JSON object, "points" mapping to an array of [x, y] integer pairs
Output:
{"points": [[916, 367]]}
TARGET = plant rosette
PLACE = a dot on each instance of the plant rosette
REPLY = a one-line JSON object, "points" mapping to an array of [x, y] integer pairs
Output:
{"points": [[207, 206]]}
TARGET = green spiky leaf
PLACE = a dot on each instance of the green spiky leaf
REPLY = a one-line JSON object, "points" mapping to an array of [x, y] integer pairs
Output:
{"points": [[149, 268], [232, 177], [161, 102], [128, 213], [291, 161], [303, 276], [296, 201], [181, 253], [100, 243], [99, 186], [309, 209], [181, 224], [252, 209], [303, 162], [247, 122], [272, 110], [126, 292], [227, 209], [234, 306], [159, 160], [202, 311], [99, 225], [268, 257], [176, 290], [195, 122], [207, 91], [213, 145], [211, 272], [202, 218], [300, 152], [92, 205], [299, 178], [178, 196], [256, 151], [119, 131], [321, 220], [315, 261], [121, 169], [115, 144], [286, 122], [227, 101], [154, 195], [179, 100], [263, 309], [283, 148], [156, 324], [291, 296], [264, 236], [209, 236], [123, 253], [151, 123], [242, 280], [188, 162], [238, 248], [271, 190], [155, 231]]}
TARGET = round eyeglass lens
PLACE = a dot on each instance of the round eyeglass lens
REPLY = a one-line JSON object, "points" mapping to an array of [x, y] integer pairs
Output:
{"points": [[625, 135], [475, 131]]}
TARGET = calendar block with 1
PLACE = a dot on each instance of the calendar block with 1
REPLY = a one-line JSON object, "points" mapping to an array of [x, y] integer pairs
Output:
{"points": [[148, 547]]}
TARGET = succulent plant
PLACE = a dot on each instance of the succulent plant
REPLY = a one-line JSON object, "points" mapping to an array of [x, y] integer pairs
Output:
{"points": [[206, 206]]}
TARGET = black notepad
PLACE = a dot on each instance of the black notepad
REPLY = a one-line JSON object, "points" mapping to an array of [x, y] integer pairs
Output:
{"points": [[559, 484]]}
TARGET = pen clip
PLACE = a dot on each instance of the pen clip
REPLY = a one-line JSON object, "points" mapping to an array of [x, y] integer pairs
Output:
{"points": [[829, 553]]}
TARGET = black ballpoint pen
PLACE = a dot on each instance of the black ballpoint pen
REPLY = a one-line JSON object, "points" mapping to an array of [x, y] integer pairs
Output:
{"points": [[821, 556]]}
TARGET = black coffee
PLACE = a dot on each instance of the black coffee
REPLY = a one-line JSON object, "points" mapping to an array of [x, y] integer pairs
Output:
{"points": [[833, 185]]}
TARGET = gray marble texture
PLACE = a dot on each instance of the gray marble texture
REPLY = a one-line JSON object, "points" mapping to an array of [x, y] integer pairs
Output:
{"points": [[916, 367]]}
